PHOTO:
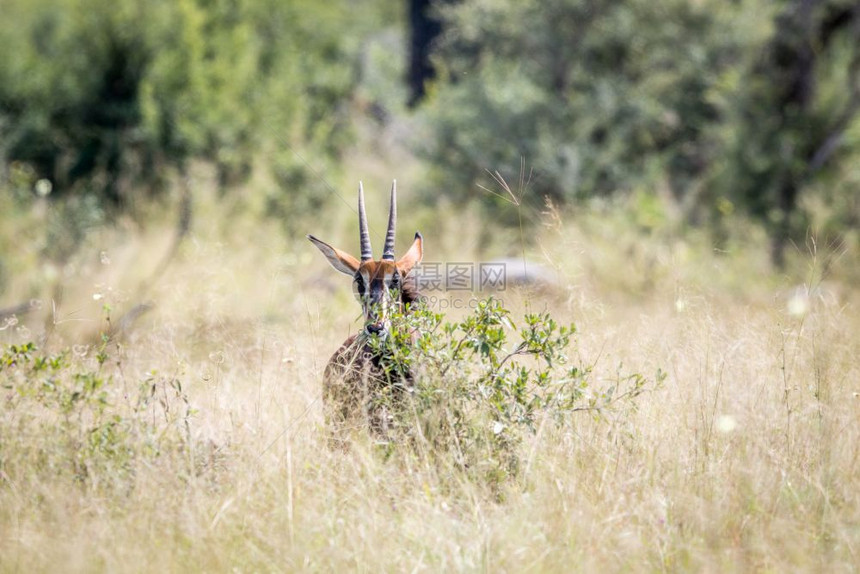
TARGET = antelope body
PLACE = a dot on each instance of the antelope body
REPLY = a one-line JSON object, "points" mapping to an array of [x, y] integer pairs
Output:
{"points": [[357, 374]]}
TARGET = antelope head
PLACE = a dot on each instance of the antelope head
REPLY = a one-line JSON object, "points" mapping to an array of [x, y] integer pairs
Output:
{"points": [[377, 283]]}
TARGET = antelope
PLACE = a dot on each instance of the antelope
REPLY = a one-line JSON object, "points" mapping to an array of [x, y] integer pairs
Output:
{"points": [[355, 376]]}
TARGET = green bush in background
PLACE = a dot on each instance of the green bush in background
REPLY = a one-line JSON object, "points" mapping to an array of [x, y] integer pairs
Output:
{"points": [[731, 108], [600, 97], [101, 96], [723, 109]]}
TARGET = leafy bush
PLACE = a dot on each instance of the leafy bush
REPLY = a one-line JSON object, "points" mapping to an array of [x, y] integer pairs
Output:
{"points": [[480, 386], [731, 108], [599, 97], [62, 418], [104, 97]]}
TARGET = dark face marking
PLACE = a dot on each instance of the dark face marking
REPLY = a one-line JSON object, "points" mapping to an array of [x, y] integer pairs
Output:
{"points": [[377, 285]]}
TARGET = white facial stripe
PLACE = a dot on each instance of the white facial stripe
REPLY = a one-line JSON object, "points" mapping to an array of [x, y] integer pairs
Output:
{"points": [[377, 300]]}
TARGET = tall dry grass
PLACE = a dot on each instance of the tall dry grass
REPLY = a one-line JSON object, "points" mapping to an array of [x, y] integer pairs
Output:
{"points": [[745, 459]]}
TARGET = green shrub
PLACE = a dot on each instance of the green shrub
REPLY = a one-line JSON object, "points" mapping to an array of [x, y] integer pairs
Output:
{"points": [[63, 418], [480, 386], [598, 98], [110, 98]]}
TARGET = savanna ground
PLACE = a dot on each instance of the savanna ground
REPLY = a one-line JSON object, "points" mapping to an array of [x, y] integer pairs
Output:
{"points": [[163, 336], [201, 446]]}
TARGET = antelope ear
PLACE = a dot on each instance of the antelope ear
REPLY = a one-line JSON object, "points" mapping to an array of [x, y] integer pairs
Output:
{"points": [[343, 262], [413, 257]]}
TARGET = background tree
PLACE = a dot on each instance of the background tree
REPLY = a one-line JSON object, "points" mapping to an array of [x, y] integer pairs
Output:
{"points": [[105, 97], [725, 109], [600, 97], [424, 28], [797, 100], [731, 107]]}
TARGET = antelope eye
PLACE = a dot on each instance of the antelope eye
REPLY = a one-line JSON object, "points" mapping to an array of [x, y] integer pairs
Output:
{"points": [[395, 283]]}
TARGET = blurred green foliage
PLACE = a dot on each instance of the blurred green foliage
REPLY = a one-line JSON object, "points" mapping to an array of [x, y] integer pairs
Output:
{"points": [[705, 99], [722, 108], [103, 96], [599, 96]]}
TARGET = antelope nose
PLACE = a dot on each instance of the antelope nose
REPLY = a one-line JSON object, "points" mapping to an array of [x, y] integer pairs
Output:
{"points": [[375, 328]]}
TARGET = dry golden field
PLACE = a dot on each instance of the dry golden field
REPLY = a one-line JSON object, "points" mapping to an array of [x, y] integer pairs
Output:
{"points": [[210, 454]]}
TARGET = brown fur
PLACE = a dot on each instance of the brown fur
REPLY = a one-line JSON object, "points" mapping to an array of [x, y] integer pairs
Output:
{"points": [[357, 390], [357, 387]]}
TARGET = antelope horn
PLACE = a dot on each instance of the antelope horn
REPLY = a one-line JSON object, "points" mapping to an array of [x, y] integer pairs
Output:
{"points": [[366, 251], [388, 250]]}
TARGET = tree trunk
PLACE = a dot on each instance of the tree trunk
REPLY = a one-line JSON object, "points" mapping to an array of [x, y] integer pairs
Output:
{"points": [[423, 30]]}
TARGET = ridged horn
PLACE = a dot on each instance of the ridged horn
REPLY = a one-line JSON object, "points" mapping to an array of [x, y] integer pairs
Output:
{"points": [[388, 250], [366, 251]]}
